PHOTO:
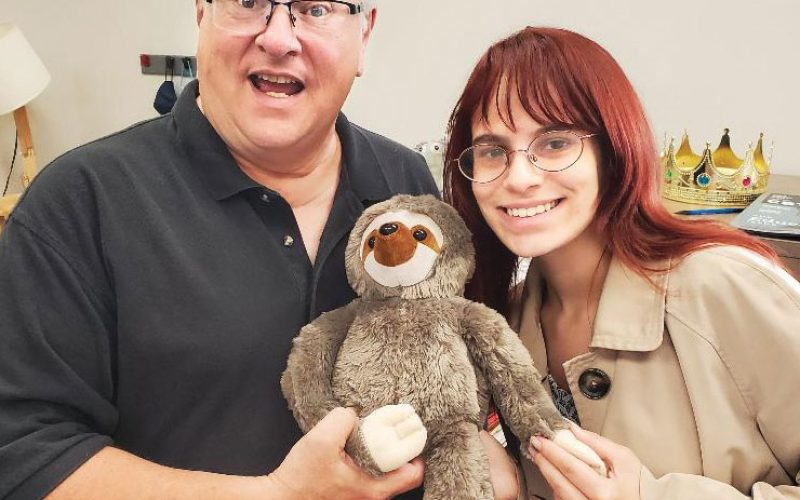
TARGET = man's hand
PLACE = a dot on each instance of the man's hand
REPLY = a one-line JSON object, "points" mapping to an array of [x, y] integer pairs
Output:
{"points": [[318, 467], [502, 469], [393, 435], [572, 479]]}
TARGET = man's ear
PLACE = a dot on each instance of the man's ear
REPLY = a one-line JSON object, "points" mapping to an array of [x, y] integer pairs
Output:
{"points": [[373, 15], [366, 32], [198, 5]]}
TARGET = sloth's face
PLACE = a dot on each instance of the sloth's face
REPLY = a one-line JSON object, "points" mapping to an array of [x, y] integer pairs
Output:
{"points": [[400, 248]]}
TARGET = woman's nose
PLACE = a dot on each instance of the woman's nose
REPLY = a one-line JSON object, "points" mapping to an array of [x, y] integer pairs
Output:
{"points": [[522, 173]]}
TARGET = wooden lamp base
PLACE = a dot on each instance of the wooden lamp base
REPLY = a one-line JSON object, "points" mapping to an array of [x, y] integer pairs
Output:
{"points": [[8, 202]]}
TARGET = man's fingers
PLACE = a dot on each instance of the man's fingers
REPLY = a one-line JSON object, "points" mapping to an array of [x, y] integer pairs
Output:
{"points": [[335, 427], [405, 478]]}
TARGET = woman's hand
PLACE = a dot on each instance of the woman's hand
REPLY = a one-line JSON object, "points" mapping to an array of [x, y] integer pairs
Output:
{"points": [[502, 469], [571, 479]]}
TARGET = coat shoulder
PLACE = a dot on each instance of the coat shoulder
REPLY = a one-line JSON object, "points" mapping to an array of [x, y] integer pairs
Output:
{"points": [[717, 270], [729, 296]]}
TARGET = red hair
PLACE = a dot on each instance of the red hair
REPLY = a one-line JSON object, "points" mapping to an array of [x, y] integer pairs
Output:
{"points": [[564, 78]]}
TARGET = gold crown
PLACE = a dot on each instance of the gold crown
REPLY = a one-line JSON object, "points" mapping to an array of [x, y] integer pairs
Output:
{"points": [[714, 178]]}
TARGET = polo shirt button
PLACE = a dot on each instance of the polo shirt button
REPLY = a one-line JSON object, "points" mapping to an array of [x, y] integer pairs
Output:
{"points": [[265, 197], [594, 383], [288, 241]]}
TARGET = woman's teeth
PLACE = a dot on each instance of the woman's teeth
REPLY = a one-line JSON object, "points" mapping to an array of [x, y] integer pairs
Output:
{"points": [[531, 211]]}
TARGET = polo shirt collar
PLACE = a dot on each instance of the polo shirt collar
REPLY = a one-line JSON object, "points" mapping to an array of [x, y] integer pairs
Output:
{"points": [[362, 171], [365, 171], [208, 154]]}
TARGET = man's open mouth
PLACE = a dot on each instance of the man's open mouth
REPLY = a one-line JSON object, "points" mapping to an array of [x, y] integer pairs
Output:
{"points": [[276, 85]]}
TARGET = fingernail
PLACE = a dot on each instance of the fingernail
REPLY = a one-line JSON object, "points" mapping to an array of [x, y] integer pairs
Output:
{"points": [[536, 443], [532, 452]]}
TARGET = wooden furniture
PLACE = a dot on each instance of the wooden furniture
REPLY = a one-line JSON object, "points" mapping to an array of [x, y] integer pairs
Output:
{"points": [[788, 249], [23, 77], [25, 138]]}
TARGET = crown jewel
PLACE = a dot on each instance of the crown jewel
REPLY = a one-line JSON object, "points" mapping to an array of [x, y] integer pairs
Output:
{"points": [[714, 178]]}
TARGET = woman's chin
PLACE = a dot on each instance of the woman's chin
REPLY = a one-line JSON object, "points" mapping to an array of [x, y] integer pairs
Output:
{"points": [[525, 248]]}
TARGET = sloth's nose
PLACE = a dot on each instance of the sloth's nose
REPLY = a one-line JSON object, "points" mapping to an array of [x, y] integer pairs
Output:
{"points": [[388, 229]]}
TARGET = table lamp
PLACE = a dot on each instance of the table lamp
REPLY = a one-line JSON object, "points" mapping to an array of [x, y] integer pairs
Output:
{"points": [[22, 78]]}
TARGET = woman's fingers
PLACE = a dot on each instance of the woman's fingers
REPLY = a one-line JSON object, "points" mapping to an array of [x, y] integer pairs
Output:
{"points": [[581, 475], [561, 486]]}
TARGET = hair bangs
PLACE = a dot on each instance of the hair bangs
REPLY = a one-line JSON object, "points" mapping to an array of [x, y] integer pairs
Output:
{"points": [[524, 69]]}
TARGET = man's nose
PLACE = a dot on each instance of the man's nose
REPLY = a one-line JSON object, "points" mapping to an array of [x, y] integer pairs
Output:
{"points": [[279, 38], [522, 174]]}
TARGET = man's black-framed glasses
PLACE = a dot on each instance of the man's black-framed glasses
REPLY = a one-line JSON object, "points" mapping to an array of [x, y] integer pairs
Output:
{"points": [[553, 151], [250, 17]]}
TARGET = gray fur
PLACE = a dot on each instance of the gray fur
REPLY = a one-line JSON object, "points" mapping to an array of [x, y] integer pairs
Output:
{"points": [[427, 346], [356, 448]]}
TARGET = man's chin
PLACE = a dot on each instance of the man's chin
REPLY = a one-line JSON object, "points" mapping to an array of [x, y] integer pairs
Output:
{"points": [[276, 136]]}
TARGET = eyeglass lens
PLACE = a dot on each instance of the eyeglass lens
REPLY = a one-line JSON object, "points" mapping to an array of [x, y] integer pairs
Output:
{"points": [[552, 152], [249, 17]]}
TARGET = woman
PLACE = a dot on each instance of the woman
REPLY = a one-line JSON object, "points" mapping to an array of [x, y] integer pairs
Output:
{"points": [[677, 342]]}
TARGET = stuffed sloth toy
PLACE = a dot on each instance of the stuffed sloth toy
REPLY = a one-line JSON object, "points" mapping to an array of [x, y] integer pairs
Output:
{"points": [[415, 359]]}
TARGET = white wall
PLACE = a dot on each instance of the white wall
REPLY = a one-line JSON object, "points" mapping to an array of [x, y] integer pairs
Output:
{"points": [[698, 64], [91, 48], [701, 65]]}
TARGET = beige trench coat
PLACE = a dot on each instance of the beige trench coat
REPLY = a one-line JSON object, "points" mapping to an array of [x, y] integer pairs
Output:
{"points": [[705, 376]]}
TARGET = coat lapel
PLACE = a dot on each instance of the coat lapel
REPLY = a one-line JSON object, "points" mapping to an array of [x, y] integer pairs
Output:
{"points": [[630, 317]]}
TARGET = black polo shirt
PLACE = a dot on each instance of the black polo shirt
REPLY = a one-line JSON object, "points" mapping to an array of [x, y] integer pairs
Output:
{"points": [[149, 293]]}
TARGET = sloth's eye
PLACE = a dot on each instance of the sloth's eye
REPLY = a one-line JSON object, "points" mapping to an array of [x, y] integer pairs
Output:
{"points": [[420, 234], [371, 242]]}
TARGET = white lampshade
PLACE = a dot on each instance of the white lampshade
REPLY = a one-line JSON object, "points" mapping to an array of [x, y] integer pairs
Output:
{"points": [[22, 74]]}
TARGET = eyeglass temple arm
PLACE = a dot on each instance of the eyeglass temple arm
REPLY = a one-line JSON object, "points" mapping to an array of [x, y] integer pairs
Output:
{"points": [[355, 8]]}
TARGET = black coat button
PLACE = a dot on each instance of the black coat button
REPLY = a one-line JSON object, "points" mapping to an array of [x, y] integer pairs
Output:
{"points": [[594, 383]]}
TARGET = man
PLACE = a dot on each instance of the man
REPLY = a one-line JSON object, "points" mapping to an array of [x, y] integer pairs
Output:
{"points": [[152, 281]]}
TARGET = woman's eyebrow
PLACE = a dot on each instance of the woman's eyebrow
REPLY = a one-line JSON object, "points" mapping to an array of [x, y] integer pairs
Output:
{"points": [[488, 139], [500, 139]]}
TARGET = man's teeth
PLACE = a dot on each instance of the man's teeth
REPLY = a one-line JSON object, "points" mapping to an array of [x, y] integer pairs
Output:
{"points": [[531, 211], [279, 95], [276, 79]]}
